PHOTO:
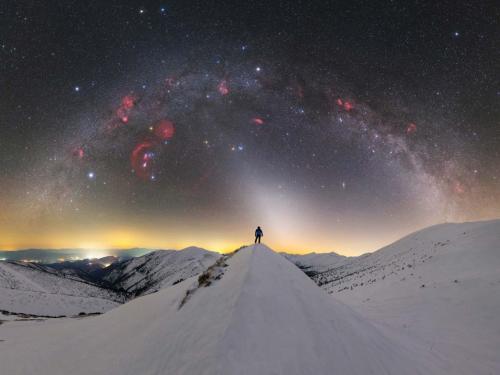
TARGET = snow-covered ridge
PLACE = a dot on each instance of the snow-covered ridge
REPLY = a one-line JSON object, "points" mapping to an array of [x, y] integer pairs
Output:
{"points": [[440, 284], [314, 263], [37, 290], [41, 290], [450, 251], [159, 269], [429, 303], [264, 316]]}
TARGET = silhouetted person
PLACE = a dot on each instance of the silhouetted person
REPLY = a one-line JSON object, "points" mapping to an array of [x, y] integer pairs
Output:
{"points": [[258, 234]]}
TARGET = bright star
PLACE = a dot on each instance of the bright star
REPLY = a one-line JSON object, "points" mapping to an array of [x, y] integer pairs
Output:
{"points": [[91, 175]]}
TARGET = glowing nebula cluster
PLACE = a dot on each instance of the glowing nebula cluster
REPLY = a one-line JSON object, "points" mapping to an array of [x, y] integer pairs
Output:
{"points": [[182, 117], [324, 118], [143, 154], [184, 131], [125, 108]]}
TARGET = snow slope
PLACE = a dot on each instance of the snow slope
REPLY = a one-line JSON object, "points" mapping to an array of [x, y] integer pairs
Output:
{"points": [[37, 290], [72, 288], [159, 269], [314, 263], [440, 285], [261, 316]]}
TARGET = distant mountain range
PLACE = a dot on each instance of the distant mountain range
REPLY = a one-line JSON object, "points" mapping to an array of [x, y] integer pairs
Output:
{"points": [[94, 285], [436, 292], [253, 313], [47, 256]]}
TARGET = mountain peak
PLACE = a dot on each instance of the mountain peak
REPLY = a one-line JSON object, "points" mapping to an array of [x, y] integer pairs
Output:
{"points": [[262, 315]]}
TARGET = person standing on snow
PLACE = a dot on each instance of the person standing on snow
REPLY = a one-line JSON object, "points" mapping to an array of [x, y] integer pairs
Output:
{"points": [[258, 234]]}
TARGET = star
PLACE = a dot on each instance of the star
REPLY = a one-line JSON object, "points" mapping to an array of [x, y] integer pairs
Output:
{"points": [[77, 88], [91, 175]]}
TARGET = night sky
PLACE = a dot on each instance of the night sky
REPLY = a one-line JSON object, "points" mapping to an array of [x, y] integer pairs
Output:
{"points": [[334, 125]]}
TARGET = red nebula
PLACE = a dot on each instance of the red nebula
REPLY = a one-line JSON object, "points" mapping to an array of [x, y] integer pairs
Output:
{"points": [[122, 114], [128, 102], [412, 128], [164, 129], [79, 153], [348, 106], [257, 121], [141, 158], [223, 87], [126, 105]]}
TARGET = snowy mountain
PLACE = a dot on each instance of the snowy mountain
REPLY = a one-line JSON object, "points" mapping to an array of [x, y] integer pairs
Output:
{"points": [[47, 256], [39, 290], [314, 263], [159, 269], [441, 285], [88, 286], [251, 313], [427, 304], [91, 270]]}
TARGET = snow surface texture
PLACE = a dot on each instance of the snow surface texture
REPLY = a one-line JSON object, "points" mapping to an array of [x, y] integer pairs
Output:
{"points": [[261, 316], [37, 290], [159, 269], [440, 285], [44, 291], [314, 263]]}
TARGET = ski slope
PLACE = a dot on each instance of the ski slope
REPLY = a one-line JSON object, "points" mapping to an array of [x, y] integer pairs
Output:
{"points": [[260, 315]]}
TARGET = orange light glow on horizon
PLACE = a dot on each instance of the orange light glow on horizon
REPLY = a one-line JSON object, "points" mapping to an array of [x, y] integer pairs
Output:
{"points": [[97, 242]]}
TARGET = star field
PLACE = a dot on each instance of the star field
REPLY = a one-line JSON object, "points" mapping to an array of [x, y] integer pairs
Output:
{"points": [[163, 124]]}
